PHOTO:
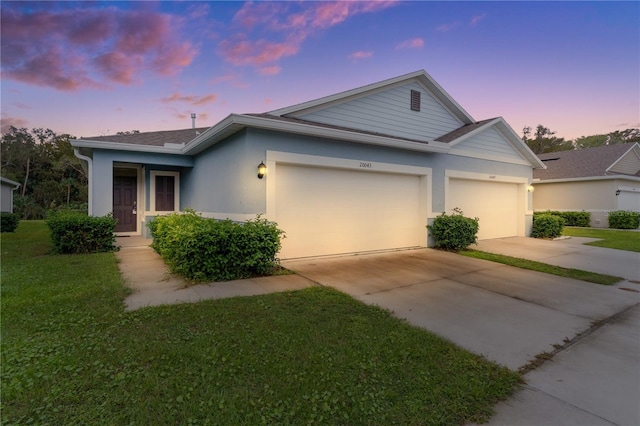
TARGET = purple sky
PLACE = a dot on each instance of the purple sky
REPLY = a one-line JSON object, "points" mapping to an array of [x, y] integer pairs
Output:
{"points": [[96, 68]]}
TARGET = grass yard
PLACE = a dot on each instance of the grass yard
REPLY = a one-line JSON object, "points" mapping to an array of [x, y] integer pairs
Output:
{"points": [[71, 355], [610, 238], [592, 277]]}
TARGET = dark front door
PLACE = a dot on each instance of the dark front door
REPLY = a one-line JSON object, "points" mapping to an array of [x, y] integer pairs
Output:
{"points": [[124, 203]]}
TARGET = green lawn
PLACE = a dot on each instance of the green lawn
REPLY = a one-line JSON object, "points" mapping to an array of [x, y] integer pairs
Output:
{"points": [[71, 355], [610, 238], [577, 274]]}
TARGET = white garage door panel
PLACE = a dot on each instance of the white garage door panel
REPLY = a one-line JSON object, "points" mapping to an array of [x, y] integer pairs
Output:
{"points": [[494, 203], [628, 200], [331, 211]]}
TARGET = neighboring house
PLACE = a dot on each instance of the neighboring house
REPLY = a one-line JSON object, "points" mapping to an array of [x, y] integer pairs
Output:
{"points": [[362, 170], [597, 180], [7, 186]]}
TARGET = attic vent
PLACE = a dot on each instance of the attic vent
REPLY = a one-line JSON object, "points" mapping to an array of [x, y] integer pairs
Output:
{"points": [[415, 100]]}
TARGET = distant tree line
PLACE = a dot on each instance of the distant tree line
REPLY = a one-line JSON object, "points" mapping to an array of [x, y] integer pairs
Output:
{"points": [[50, 175], [543, 140]]}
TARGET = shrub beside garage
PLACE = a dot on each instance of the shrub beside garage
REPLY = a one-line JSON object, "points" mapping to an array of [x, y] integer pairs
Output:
{"points": [[203, 249], [624, 219], [454, 232]]}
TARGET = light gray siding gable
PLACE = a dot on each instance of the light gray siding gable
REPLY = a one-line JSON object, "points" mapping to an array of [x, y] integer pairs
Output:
{"points": [[389, 112], [628, 164], [488, 144]]}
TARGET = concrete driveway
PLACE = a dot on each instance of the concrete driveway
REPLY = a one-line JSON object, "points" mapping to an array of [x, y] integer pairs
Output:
{"points": [[511, 315]]}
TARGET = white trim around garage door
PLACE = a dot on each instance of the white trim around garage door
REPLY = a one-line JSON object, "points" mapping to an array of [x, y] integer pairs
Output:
{"points": [[276, 157], [524, 202]]}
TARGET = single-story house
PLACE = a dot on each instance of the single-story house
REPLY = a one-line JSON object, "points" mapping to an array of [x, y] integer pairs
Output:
{"points": [[7, 186], [596, 180], [362, 170]]}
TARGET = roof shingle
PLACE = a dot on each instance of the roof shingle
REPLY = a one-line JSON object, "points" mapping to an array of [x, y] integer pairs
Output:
{"points": [[152, 138], [586, 162]]}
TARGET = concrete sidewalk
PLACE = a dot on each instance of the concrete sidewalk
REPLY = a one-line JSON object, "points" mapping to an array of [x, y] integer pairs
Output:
{"points": [[569, 253], [152, 284]]}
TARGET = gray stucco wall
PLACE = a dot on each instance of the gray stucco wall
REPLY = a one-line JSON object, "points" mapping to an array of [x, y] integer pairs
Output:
{"points": [[102, 172]]}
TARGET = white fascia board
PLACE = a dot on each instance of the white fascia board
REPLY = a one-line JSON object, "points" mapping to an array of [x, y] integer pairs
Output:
{"points": [[421, 76], [473, 132], [587, 179], [236, 122], [445, 98], [633, 146], [519, 144], [16, 185], [342, 95], [505, 130], [117, 146]]}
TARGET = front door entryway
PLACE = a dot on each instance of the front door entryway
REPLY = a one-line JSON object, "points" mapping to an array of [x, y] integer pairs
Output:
{"points": [[125, 203]]}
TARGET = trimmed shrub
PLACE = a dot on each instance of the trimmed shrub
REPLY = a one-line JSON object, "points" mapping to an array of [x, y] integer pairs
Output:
{"points": [[581, 219], [454, 232], [547, 226], [9, 221], [204, 249], [623, 219], [73, 232]]}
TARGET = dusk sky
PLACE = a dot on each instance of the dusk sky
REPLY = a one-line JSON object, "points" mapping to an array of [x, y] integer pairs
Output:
{"points": [[96, 68]]}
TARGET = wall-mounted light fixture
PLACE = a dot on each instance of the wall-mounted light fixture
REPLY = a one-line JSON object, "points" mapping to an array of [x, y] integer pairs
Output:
{"points": [[530, 188], [262, 170], [617, 192]]}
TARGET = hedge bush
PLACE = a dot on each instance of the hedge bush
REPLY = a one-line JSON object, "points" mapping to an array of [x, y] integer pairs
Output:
{"points": [[9, 221], [454, 232], [581, 219], [547, 226], [623, 219], [73, 232], [204, 249]]}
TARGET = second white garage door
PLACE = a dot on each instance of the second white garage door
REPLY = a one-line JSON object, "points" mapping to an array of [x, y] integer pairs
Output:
{"points": [[332, 211], [494, 203]]}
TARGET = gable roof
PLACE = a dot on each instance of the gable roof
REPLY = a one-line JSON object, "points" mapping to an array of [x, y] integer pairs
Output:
{"points": [[297, 119], [421, 76], [587, 162]]}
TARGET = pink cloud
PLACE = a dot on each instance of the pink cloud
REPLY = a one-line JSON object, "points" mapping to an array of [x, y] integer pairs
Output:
{"points": [[190, 99], [257, 53], [360, 54], [414, 43], [7, 121], [270, 70], [477, 18], [447, 27], [290, 22], [75, 49]]}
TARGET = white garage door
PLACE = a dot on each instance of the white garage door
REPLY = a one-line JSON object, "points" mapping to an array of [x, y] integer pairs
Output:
{"points": [[629, 200], [494, 203], [331, 211]]}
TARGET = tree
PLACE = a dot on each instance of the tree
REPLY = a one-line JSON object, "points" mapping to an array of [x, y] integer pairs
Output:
{"points": [[44, 163], [624, 136], [544, 140]]}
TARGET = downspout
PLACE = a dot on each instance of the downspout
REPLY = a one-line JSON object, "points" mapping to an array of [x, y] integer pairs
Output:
{"points": [[89, 169]]}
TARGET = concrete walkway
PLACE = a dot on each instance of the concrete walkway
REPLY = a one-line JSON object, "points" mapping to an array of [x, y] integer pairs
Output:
{"points": [[152, 284], [569, 253]]}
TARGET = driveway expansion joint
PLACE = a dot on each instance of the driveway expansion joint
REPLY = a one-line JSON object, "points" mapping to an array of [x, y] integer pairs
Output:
{"points": [[543, 357]]}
